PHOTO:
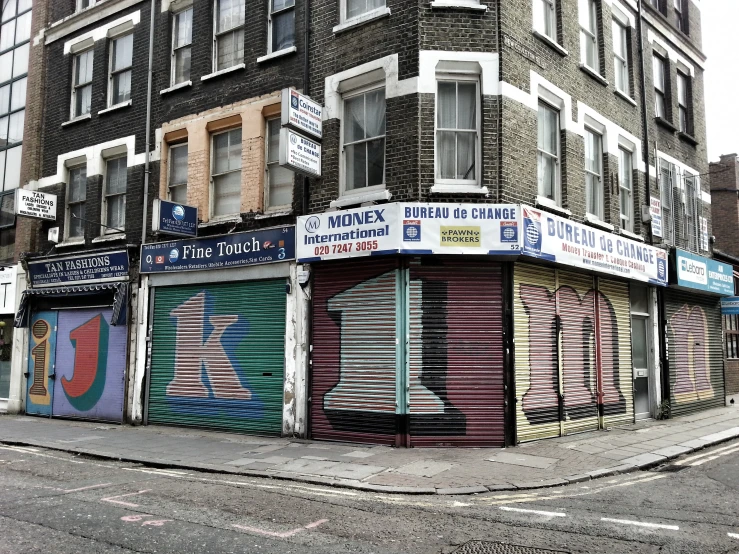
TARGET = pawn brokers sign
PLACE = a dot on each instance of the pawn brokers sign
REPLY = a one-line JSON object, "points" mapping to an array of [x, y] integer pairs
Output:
{"points": [[35, 204], [299, 153]]}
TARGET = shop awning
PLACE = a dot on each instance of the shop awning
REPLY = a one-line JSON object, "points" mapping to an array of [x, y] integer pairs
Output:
{"points": [[120, 299]]}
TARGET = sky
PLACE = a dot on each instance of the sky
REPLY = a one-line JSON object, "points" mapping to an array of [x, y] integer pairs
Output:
{"points": [[719, 20]]}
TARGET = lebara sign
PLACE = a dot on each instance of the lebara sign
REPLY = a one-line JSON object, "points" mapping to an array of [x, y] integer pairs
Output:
{"points": [[560, 240], [697, 272], [237, 250], [730, 305], [79, 269], [174, 219]]}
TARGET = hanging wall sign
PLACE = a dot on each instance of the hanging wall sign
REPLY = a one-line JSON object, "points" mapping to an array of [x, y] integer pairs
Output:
{"points": [[697, 272], [563, 241], [655, 210], [174, 219], [79, 269], [730, 305], [35, 204], [300, 153], [8, 276], [237, 250], [301, 113]]}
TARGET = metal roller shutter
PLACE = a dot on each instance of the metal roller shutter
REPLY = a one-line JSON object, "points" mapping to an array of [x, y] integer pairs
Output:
{"points": [[695, 352], [218, 356], [355, 351], [456, 354], [536, 357], [616, 380], [576, 309]]}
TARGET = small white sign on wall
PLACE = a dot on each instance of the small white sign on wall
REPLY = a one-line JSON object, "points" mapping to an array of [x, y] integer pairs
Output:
{"points": [[301, 113], [32, 203], [300, 153]]}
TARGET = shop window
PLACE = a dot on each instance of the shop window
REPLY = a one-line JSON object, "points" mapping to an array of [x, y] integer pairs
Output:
{"points": [[116, 179], [76, 199], [352, 9], [589, 39], [626, 188], [548, 145], [177, 186], [594, 173], [121, 59], [364, 139], [731, 327], [281, 25], [457, 131], [621, 56], [82, 84], [279, 180], [228, 37], [181, 46], [226, 173]]}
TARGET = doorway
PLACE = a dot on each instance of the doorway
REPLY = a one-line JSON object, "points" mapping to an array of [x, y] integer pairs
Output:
{"points": [[640, 350]]}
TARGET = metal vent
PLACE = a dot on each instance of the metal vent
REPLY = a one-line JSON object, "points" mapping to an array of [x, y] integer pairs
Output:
{"points": [[486, 547]]}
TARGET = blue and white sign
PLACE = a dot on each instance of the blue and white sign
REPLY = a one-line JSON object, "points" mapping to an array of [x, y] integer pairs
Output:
{"points": [[174, 219], [79, 269], [237, 250], [566, 242], [730, 305], [698, 272], [302, 113]]}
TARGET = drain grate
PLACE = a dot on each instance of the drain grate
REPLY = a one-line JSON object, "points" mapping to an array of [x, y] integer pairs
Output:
{"points": [[487, 547]]}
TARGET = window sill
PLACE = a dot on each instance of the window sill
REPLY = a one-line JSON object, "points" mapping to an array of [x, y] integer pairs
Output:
{"points": [[594, 74], [362, 19], [85, 117], [550, 42], [687, 138], [278, 54], [631, 235], [546, 204], [116, 107], [444, 188], [459, 5], [276, 213], [625, 96], [361, 198], [665, 124], [71, 242], [178, 86], [110, 238], [223, 72], [595, 221], [221, 220]]}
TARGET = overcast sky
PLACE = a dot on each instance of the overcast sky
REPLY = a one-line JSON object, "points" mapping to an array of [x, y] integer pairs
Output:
{"points": [[720, 19]]}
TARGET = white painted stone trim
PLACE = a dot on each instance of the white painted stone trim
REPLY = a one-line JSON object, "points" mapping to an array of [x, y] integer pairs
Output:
{"points": [[117, 26]]}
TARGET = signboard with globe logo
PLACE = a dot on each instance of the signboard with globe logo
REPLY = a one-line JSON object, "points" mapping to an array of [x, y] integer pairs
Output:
{"points": [[171, 218]]}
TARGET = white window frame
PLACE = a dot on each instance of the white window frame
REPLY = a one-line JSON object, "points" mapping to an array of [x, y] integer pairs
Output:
{"points": [[343, 192], [174, 49], [546, 13], [217, 34], [67, 204], [170, 166], [660, 88], [678, 10], [90, 4], [597, 177], [106, 196], [270, 15], [212, 187], [76, 86], [621, 59], [369, 14], [683, 103], [692, 231], [627, 220], [267, 164], [456, 78], [666, 199], [590, 36], [557, 200], [112, 74]]}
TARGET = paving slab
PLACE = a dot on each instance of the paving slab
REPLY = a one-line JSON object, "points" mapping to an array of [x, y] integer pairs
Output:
{"points": [[643, 460], [424, 468], [525, 460]]}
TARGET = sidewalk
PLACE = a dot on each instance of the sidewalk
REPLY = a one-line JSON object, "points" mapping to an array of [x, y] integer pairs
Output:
{"points": [[543, 463]]}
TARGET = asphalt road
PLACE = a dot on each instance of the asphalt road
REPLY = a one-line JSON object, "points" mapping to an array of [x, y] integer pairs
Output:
{"points": [[55, 502]]}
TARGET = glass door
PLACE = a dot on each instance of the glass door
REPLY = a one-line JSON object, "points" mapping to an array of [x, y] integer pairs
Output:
{"points": [[640, 350]]}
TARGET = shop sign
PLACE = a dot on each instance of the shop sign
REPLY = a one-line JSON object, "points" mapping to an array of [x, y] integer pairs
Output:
{"points": [[566, 242], [704, 233], [35, 204], [655, 210], [730, 305], [7, 290], [300, 153], [237, 250], [301, 113], [174, 219], [698, 272], [79, 269]]}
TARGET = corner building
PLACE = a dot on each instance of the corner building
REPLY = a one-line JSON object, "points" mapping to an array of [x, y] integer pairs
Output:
{"points": [[438, 323]]}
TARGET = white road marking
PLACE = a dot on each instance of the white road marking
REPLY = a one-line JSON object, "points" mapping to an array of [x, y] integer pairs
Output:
{"points": [[711, 458], [641, 524], [733, 535], [537, 512], [112, 499], [86, 488], [713, 452]]}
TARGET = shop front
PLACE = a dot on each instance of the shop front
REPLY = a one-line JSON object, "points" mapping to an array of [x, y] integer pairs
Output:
{"points": [[693, 341], [8, 278], [75, 314], [222, 327]]}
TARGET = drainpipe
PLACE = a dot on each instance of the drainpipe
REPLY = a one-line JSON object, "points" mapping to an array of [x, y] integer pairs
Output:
{"points": [[147, 156], [645, 129], [306, 90]]}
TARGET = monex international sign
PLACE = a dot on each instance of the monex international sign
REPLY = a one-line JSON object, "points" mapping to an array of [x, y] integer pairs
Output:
{"points": [[236, 250], [171, 218], [696, 272], [79, 269], [556, 239]]}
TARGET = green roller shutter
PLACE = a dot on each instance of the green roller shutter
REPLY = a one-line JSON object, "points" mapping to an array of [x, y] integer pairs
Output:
{"points": [[218, 356]]}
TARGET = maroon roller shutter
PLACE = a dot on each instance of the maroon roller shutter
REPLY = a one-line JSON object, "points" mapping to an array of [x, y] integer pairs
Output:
{"points": [[354, 358], [455, 353]]}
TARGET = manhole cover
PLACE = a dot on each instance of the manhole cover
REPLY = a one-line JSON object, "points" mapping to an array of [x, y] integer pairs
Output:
{"points": [[486, 547]]}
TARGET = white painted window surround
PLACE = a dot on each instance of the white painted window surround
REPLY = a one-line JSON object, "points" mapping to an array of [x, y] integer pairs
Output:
{"points": [[112, 29], [459, 4]]}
